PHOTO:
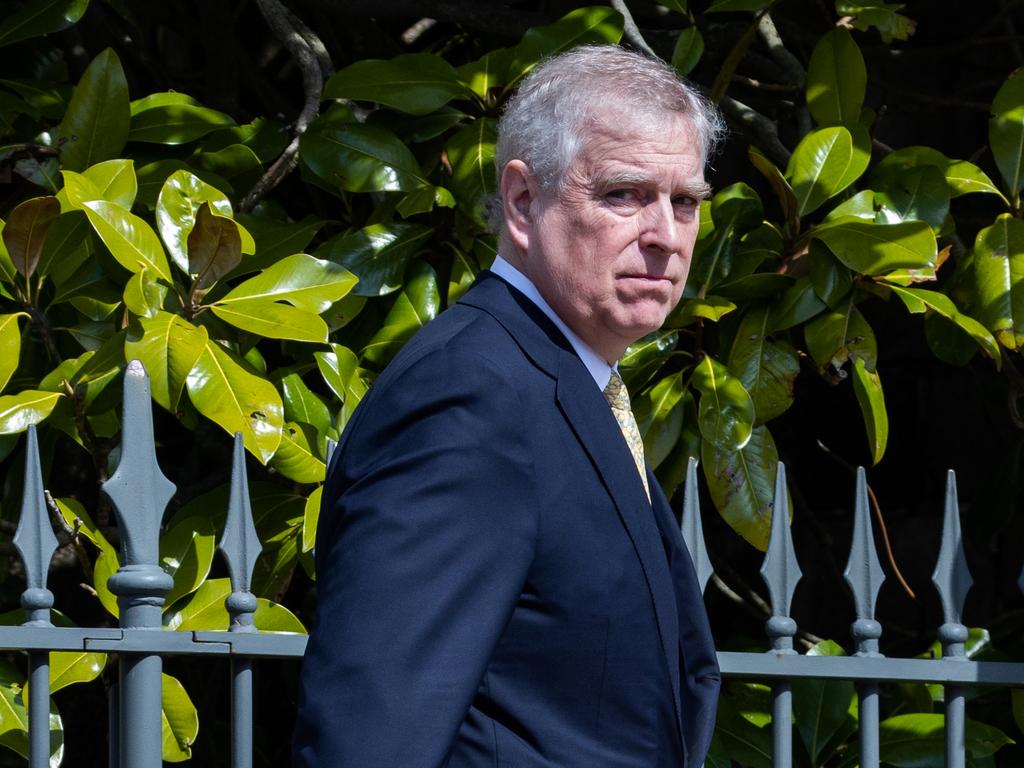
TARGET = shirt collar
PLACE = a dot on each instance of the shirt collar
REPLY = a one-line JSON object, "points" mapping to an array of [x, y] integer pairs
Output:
{"points": [[595, 364]]}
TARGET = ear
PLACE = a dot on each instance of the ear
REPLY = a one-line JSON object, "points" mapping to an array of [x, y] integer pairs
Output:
{"points": [[519, 192]]}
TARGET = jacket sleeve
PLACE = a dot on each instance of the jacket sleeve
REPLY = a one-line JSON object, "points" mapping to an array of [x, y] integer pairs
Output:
{"points": [[426, 535]]}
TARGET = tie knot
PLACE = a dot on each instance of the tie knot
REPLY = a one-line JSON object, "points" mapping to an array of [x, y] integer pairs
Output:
{"points": [[616, 394]]}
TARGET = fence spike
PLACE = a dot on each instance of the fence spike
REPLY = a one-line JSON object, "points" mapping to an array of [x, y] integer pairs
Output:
{"points": [[863, 572], [34, 537], [692, 529], [240, 544], [952, 577], [780, 570], [138, 489]]}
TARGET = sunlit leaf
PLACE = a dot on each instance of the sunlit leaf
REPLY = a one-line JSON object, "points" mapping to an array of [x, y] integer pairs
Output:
{"points": [[726, 412], [688, 50], [659, 416], [417, 83], [766, 366], [310, 518], [304, 282], [340, 369], [40, 17], [296, 456], [95, 126], [868, 388], [214, 247], [128, 238], [19, 412], [175, 123], [918, 300], [179, 720], [471, 155], [825, 162], [273, 320], [874, 249], [186, 554], [168, 346], [997, 273], [378, 254], [417, 304], [836, 79]]}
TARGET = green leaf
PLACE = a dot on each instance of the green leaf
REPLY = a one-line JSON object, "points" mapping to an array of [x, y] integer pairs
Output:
{"points": [[95, 126], [879, 14], [831, 280], [214, 247], [821, 707], [179, 721], [106, 565], [359, 158], [143, 295], [780, 186], [276, 239], [175, 123], [186, 554], [7, 270], [742, 484], [340, 369], [736, 738], [274, 617], [79, 522], [961, 176], [310, 518], [918, 193], [66, 246], [659, 416], [180, 198], [918, 300], [25, 232], [10, 346], [471, 154], [913, 740], [303, 405], [68, 668], [712, 308], [273, 320], [19, 412], [205, 611], [115, 180], [168, 347], [688, 50], [798, 304], [584, 26], [304, 282], [14, 717], [41, 17], [836, 79], [296, 457], [997, 273], [766, 367], [874, 249], [825, 162], [1006, 131], [236, 162], [416, 83], [726, 412], [868, 387], [836, 337], [378, 254], [128, 238], [417, 304], [224, 390], [645, 356]]}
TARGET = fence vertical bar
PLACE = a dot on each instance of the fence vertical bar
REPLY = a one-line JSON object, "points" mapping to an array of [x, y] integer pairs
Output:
{"points": [[865, 576], [139, 493], [952, 579], [692, 530], [240, 546], [781, 572], [36, 544]]}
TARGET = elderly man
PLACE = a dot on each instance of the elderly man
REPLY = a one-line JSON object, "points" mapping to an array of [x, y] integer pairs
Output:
{"points": [[501, 580]]}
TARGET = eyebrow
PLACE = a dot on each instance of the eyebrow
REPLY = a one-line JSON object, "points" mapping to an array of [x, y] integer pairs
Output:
{"points": [[700, 190]]}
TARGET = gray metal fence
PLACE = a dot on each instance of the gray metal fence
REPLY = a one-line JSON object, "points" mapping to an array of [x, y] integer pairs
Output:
{"points": [[139, 493]]}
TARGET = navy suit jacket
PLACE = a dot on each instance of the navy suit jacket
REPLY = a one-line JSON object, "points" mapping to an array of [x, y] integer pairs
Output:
{"points": [[494, 587]]}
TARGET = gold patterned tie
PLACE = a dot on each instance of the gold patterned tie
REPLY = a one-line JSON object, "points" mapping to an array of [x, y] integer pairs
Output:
{"points": [[618, 398]]}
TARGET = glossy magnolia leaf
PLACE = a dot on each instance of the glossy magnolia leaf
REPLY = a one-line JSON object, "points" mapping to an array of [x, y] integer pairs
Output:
{"points": [[688, 50], [111, 180], [79, 522], [10, 346], [825, 162], [644, 357], [276, 239], [19, 412], [143, 295], [712, 308], [95, 126], [488, 72], [359, 158], [742, 484], [417, 304], [40, 18], [797, 304], [912, 740], [296, 457], [471, 154], [7, 270], [595, 25], [205, 611], [180, 198], [66, 247], [918, 193], [874, 249], [25, 232], [831, 280], [68, 668], [836, 337], [273, 320], [918, 300], [304, 282], [179, 721], [106, 565], [738, 737], [961, 176], [767, 367], [868, 388], [128, 238], [821, 708], [168, 346], [186, 554], [780, 186], [14, 717], [378, 254], [310, 518], [836, 79], [303, 405], [175, 123], [340, 369], [726, 412], [416, 83], [224, 390], [997, 271], [659, 416], [214, 248], [1006, 132], [881, 15]]}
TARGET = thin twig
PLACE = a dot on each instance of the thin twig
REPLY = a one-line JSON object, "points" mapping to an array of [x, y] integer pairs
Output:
{"points": [[69, 535], [630, 30], [773, 87]]}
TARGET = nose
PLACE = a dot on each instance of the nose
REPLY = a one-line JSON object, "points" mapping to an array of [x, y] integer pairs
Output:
{"points": [[659, 229]]}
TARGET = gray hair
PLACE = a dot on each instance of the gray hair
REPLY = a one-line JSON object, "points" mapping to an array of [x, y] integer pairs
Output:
{"points": [[545, 122]]}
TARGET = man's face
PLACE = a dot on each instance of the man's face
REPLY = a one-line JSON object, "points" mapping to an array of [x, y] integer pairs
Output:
{"points": [[611, 250]]}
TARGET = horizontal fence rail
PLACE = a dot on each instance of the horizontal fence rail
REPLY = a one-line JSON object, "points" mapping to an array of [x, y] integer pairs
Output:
{"points": [[139, 493]]}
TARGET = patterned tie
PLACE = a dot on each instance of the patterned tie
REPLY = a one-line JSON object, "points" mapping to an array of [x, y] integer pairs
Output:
{"points": [[618, 398]]}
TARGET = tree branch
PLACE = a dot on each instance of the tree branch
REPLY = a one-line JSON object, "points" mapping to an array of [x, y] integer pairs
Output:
{"points": [[630, 30], [762, 129], [770, 37]]}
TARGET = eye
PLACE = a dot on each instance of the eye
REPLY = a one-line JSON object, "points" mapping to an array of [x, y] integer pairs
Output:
{"points": [[623, 195], [685, 202]]}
